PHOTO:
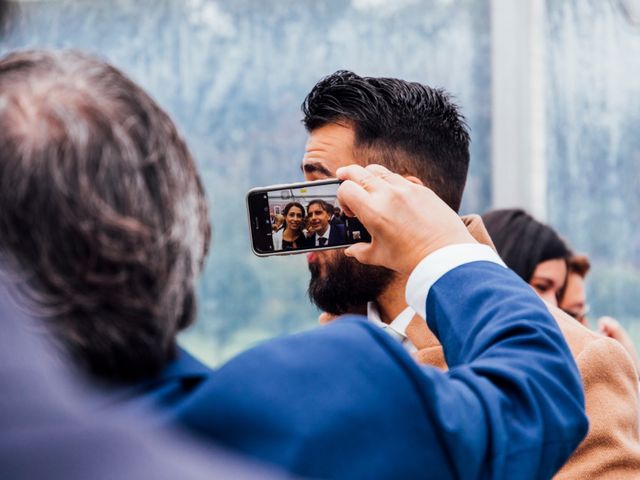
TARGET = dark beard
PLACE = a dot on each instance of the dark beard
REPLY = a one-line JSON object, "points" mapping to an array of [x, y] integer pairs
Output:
{"points": [[347, 285]]}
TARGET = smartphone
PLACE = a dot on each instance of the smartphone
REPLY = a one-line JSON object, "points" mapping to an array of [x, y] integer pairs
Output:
{"points": [[300, 217]]}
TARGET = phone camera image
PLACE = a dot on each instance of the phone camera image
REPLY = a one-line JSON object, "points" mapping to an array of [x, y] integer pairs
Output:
{"points": [[301, 217]]}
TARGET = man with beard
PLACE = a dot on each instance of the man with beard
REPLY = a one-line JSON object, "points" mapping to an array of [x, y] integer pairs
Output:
{"points": [[104, 213], [355, 120], [417, 131], [324, 233]]}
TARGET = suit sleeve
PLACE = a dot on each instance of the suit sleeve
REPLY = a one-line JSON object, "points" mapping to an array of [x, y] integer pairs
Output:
{"points": [[511, 404], [347, 401]]}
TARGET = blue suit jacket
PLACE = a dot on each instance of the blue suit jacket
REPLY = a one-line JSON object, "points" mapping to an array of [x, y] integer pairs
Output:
{"points": [[346, 400], [49, 427]]}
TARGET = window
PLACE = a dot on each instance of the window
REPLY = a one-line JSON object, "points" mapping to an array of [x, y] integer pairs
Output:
{"points": [[593, 146], [233, 75]]}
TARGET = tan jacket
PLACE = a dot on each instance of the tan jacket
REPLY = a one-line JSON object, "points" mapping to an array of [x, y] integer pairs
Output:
{"points": [[611, 449]]}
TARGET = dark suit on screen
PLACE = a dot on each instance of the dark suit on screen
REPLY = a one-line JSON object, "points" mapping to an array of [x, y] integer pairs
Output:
{"points": [[347, 401], [337, 236], [337, 220]]}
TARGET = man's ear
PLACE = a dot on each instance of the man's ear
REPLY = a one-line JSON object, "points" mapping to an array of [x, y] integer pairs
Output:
{"points": [[415, 180]]}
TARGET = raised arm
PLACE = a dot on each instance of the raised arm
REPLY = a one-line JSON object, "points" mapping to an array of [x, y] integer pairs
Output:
{"points": [[347, 401], [512, 404]]}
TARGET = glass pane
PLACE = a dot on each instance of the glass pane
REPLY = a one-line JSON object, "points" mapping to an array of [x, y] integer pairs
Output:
{"points": [[233, 75], [593, 100]]}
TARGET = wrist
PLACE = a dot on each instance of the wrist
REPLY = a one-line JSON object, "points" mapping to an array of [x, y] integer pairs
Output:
{"points": [[437, 264], [463, 238]]}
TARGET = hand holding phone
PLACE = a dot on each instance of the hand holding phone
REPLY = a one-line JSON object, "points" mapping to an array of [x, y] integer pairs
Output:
{"points": [[313, 219], [407, 221]]}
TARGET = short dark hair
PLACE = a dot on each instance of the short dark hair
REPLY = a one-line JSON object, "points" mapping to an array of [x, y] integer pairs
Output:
{"points": [[579, 264], [408, 127], [326, 206], [522, 241], [102, 207]]}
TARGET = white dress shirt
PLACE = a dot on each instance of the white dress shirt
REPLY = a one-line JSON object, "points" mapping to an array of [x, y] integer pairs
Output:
{"points": [[397, 327], [423, 277], [324, 235]]}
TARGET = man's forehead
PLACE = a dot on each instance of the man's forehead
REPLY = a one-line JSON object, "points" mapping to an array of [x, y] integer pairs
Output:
{"points": [[328, 148]]}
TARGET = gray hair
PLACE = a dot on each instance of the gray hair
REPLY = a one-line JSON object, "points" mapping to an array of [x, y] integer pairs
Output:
{"points": [[102, 207]]}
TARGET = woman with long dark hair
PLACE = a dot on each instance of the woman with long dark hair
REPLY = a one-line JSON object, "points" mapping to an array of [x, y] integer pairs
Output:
{"points": [[291, 236], [531, 249]]}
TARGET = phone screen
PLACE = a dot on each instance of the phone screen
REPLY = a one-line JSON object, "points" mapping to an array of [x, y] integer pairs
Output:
{"points": [[300, 217]]}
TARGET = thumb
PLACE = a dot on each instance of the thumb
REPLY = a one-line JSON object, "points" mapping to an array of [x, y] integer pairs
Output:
{"points": [[360, 251]]}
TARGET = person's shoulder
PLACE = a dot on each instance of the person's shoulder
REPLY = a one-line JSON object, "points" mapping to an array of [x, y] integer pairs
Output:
{"points": [[578, 336], [354, 329], [590, 348], [350, 340], [255, 388], [610, 382], [185, 365]]}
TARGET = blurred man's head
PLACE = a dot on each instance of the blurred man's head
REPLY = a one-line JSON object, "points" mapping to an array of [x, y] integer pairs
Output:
{"points": [[574, 298], [410, 128], [319, 213], [102, 206]]}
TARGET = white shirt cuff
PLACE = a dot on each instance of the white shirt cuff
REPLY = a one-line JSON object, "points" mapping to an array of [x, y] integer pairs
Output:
{"points": [[435, 265]]}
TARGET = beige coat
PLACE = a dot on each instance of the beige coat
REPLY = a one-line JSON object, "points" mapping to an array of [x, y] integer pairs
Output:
{"points": [[611, 449]]}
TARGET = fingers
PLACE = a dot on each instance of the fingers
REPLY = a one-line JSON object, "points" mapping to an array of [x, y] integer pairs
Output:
{"points": [[353, 198], [360, 175], [393, 209], [387, 175], [608, 326], [364, 181], [371, 176], [378, 170]]}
